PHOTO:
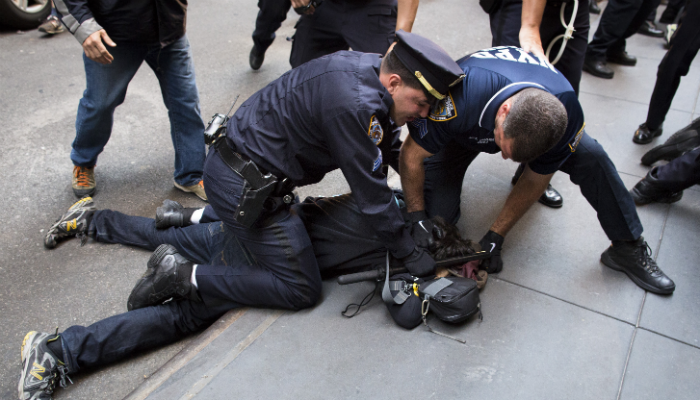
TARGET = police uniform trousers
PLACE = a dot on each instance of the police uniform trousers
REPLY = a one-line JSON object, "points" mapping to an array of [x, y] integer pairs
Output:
{"points": [[342, 243], [620, 20], [270, 17], [681, 173], [589, 167], [675, 64], [505, 28], [366, 26]]}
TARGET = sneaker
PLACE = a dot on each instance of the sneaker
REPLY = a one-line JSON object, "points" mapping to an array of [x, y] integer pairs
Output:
{"points": [[84, 181], [167, 277], [197, 189], [668, 35], [75, 222], [52, 26], [634, 259], [41, 369], [170, 214]]}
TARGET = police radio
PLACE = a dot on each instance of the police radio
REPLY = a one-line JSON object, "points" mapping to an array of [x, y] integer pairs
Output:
{"points": [[217, 125]]}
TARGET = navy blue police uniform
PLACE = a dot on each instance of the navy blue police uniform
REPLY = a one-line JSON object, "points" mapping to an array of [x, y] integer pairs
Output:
{"points": [[332, 113], [505, 29], [461, 126], [366, 25]]}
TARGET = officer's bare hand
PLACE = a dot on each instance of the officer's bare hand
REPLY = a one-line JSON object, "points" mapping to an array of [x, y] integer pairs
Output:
{"points": [[95, 48], [530, 41], [303, 3]]}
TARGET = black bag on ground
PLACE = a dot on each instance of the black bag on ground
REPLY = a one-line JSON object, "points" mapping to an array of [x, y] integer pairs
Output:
{"points": [[406, 314], [452, 299]]}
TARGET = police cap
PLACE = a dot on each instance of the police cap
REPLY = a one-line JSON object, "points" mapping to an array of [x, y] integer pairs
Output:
{"points": [[433, 67]]}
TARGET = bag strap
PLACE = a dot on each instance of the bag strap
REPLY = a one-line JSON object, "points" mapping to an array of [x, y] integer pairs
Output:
{"points": [[436, 286], [401, 296]]}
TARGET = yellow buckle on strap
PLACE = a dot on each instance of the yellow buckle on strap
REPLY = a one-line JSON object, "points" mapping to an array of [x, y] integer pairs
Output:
{"points": [[428, 87]]}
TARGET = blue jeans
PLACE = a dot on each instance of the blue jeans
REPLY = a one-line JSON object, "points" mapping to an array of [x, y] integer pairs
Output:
{"points": [[589, 167], [106, 89]]}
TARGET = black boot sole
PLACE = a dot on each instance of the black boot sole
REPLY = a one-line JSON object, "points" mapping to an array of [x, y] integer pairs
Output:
{"points": [[675, 146], [610, 263]]}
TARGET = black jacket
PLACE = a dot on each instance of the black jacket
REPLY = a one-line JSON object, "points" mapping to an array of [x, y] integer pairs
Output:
{"points": [[126, 21]]}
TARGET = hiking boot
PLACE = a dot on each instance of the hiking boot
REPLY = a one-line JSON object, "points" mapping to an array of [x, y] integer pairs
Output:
{"points": [[75, 222], [167, 277], [634, 259], [648, 190], [52, 26], [678, 144], [83, 181], [197, 189], [172, 213], [41, 369]]}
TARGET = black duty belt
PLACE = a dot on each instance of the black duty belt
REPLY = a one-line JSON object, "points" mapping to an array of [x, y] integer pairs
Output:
{"points": [[260, 191]]}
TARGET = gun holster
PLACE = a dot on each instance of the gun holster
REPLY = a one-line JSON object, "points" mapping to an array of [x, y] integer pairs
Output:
{"points": [[260, 191]]}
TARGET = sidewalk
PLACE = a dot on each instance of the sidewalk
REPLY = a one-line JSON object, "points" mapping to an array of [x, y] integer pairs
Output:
{"points": [[557, 323]]}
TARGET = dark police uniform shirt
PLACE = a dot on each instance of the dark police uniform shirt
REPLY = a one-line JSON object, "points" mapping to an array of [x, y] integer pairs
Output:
{"points": [[332, 112], [468, 114]]}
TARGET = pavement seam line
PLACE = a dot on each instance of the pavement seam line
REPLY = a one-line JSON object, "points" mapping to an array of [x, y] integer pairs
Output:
{"points": [[185, 355], [231, 356], [627, 361], [669, 337], [562, 300]]}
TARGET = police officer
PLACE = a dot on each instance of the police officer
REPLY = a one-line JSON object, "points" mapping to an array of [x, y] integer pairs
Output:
{"points": [[499, 108], [535, 25], [368, 26]]}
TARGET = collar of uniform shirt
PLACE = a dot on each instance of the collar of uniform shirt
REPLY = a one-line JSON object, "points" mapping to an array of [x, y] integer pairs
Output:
{"points": [[488, 114]]}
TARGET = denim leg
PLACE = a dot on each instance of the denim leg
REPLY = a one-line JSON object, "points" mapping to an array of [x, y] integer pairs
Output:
{"points": [[197, 243], [444, 174], [270, 17], [106, 89], [278, 269], [123, 335], [592, 170], [174, 69], [209, 215]]}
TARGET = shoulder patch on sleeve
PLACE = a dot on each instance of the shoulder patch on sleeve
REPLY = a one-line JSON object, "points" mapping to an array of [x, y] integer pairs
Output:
{"points": [[574, 143], [375, 131], [422, 126], [444, 110]]}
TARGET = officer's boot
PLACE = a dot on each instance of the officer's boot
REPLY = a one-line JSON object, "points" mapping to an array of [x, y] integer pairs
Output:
{"points": [[649, 190], [256, 57], [634, 259], [172, 213], [550, 197], [678, 144], [75, 222], [167, 277]]}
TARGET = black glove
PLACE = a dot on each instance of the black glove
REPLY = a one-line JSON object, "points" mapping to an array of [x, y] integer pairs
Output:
{"points": [[492, 242], [423, 231], [419, 263]]}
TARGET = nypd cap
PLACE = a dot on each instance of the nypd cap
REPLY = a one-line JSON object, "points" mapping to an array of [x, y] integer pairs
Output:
{"points": [[433, 67]]}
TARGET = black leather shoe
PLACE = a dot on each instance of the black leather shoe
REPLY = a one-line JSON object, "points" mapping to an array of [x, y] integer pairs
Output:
{"points": [[256, 58], [634, 259], [648, 28], [621, 58], [648, 191], [678, 144], [593, 7], [167, 277], [550, 197], [598, 68], [644, 135], [172, 213]]}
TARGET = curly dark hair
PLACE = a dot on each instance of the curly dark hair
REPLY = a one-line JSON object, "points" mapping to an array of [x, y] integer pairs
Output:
{"points": [[450, 243]]}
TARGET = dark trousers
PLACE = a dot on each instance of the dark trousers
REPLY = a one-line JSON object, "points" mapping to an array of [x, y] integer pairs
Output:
{"points": [[589, 167], [505, 27], [620, 20], [675, 64], [270, 17], [337, 25], [681, 173], [341, 241]]}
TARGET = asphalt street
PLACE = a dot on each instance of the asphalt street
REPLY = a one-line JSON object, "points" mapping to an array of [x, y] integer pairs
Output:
{"points": [[558, 324]]}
